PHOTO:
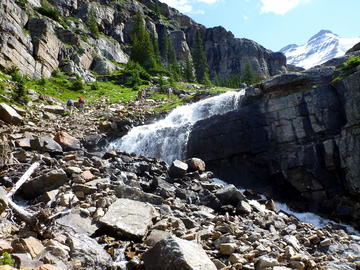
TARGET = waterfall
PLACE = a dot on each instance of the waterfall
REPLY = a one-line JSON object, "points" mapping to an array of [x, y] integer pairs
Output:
{"points": [[167, 139]]}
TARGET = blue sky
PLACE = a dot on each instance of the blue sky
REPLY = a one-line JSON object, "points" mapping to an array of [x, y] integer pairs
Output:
{"points": [[275, 23]]}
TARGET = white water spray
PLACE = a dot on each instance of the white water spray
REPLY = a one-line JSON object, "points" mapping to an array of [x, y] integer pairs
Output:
{"points": [[167, 139]]}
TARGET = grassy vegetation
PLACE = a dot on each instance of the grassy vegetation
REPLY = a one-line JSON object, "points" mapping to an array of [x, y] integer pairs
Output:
{"points": [[62, 89], [346, 68]]}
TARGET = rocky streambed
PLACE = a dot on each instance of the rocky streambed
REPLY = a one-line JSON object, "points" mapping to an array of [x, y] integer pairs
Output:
{"points": [[121, 211]]}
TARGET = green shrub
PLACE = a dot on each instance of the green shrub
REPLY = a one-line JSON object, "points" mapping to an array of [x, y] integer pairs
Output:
{"points": [[6, 259], [77, 85], [49, 12], [351, 63], [137, 74], [2, 86]]}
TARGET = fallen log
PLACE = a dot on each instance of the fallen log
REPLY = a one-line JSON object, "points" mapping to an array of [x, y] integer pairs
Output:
{"points": [[23, 179], [21, 211]]}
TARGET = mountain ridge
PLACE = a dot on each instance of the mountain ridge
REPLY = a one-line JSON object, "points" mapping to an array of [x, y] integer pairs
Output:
{"points": [[320, 48]]}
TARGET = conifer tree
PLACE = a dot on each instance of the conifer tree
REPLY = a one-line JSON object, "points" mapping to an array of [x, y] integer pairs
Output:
{"points": [[92, 24], [189, 70], [248, 76], [199, 59], [142, 50]]}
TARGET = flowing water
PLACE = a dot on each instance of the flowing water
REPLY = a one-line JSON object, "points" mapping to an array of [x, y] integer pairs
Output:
{"points": [[167, 138]]}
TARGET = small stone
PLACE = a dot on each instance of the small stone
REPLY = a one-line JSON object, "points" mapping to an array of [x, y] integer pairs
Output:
{"points": [[219, 264], [244, 207], [5, 246], [227, 248], [265, 262], [326, 242], [237, 258], [87, 176], [73, 169], [33, 246], [99, 213], [298, 265]]}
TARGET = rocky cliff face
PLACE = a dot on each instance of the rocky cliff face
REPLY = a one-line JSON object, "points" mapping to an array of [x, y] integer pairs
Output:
{"points": [[38, 45], [296, 135]]}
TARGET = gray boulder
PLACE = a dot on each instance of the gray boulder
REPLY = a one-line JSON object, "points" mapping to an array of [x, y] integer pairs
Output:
{"points": [[88, 252], [9, 115], [230, 195], [46, 182], [129, 218], [46, 144], [128, 192], [178, 169], [175, 253]]}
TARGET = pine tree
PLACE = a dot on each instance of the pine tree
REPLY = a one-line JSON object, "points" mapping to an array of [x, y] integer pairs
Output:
{"points": [[142, 50], [248, 76], [189, 70], [199, 59], [92, 24]]}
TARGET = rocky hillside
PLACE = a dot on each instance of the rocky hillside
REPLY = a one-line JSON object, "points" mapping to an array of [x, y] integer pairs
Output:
{"points": [[39, 37], [294, 136], [64, 206]]}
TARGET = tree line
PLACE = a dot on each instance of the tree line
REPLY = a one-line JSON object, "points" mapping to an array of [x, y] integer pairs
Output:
{"points": [[157, 55]]}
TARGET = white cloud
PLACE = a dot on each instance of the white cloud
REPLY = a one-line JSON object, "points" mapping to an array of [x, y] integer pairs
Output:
{"points": [[280, 7], [245, 18], [187, 5]]}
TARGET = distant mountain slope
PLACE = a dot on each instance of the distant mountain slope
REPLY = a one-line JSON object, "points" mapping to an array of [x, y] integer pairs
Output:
{"points": [[320, 48]]}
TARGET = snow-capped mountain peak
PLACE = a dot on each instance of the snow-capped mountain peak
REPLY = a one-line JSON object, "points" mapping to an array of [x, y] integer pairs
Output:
{"points": [[320, 48]]}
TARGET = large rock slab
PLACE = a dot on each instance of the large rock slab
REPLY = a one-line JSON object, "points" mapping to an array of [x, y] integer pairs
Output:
{"points": [[175, 253], [88, 252], [9, 115], [46, 144], [128, 192], [129, 218], [46, 182]]}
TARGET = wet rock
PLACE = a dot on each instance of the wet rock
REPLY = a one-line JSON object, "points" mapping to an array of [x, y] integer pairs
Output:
{"points": [[175, 253], [67, 142], [129, 218], [50, 181], [230, 195], [178, 169], [9, 115], [90, 254], [195, 164]]}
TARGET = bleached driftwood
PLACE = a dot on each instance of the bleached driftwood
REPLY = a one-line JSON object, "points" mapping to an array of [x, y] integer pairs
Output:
{"points": [[23, 179], [21, 211]]}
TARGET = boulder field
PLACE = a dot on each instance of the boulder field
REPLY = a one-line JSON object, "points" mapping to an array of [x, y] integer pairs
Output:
{"points": [[80, 208]]}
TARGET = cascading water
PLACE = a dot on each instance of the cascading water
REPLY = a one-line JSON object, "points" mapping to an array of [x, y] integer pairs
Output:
{"points": [[167, 138]]}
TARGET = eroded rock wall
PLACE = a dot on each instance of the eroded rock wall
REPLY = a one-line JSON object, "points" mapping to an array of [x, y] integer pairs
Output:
{"points": [[38, 45], [299, 142]]}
